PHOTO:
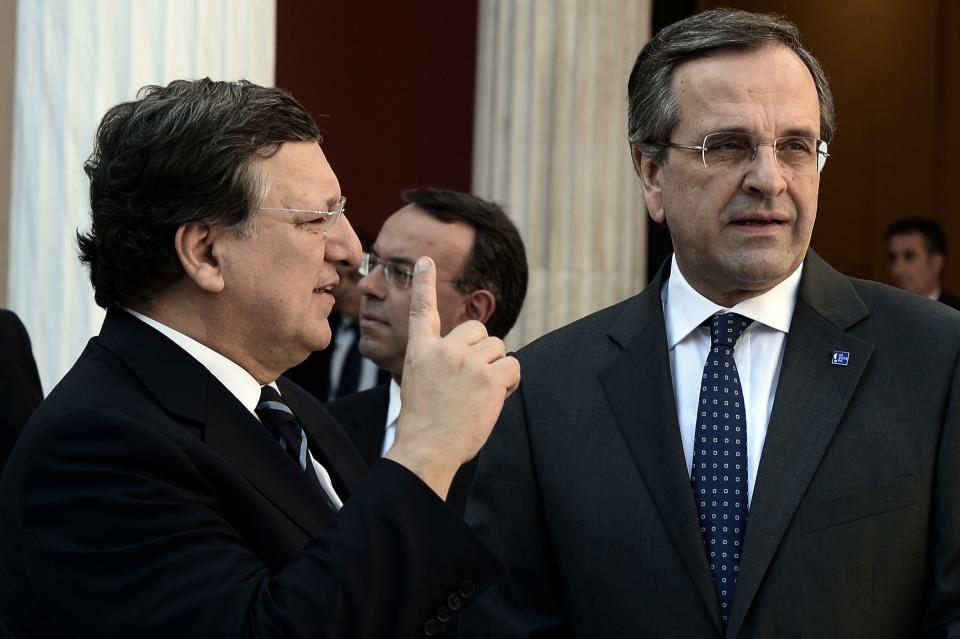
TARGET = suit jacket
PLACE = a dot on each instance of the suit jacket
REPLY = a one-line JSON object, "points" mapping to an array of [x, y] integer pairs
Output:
{"points": [[19, 380], [143, 500], [854, 524], [364, 417], [950, 300]]}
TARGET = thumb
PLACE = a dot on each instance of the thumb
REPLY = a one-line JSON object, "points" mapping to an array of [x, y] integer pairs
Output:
{"points": [[424, 319]]}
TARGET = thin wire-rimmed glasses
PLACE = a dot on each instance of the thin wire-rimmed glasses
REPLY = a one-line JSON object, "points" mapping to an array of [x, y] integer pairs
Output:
{"points": [[398, 272], [796, 153], [324, 220]]}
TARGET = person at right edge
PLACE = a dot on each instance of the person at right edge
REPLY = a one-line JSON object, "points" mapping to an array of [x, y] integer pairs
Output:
{"points": [[755, 446]]}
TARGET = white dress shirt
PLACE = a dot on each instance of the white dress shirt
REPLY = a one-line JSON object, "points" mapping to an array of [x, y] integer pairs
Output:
{"points": [[758, 354], [393, 412], [235, 379]]}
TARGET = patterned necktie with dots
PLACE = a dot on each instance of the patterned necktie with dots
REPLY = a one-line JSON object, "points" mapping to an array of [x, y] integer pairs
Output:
{"points": [[720, 457]]}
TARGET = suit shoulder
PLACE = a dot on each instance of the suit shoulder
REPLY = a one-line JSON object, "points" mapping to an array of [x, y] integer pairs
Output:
{"points": [[900, 322], [914, 312], [586, 333], [348, 407]]}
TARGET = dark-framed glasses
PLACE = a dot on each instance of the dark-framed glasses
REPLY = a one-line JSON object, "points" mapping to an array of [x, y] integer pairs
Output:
{"points": [[323, 220], [398, 272], [795, 153]]}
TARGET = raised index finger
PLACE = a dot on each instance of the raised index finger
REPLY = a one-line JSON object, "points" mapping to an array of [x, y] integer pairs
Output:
{"points": [[424, 319]]}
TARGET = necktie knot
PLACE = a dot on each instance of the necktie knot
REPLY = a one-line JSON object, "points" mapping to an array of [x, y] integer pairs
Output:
{"points": [[726, 328], [281, 421], [272, 411]]}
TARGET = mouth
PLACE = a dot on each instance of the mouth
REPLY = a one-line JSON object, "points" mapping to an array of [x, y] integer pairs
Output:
{"points": [[755, 224], [367, 318], [325, 289]]}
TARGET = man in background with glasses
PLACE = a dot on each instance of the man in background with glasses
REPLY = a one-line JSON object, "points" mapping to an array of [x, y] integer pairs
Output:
{"points": [[755, 446], [340, 369], [174, 484], [482, 276]]}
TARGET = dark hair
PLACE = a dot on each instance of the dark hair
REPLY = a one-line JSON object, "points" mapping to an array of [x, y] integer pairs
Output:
{"points": [[933, 235], [183, 153], [497, 261], [652, 107]]}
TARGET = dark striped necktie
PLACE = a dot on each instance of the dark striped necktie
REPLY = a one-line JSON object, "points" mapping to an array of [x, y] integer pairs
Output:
{"points": [[281, 421]]}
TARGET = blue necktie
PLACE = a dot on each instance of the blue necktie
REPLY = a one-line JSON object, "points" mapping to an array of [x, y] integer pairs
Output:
{"points": [[720, 457]]}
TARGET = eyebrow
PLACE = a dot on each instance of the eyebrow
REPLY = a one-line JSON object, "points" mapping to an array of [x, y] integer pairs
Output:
{"points": [[405, 261], [802, 132]]}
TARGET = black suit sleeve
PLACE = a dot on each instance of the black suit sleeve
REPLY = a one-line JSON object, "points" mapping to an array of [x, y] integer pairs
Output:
{"points": [[19, 380], [506, 510], [101, 493]]}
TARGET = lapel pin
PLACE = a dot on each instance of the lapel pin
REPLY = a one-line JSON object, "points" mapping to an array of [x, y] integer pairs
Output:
{"points": [[840, 358]]}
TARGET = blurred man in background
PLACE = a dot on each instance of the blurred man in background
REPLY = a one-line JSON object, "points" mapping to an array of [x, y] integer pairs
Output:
{"points": [[917, 251]]}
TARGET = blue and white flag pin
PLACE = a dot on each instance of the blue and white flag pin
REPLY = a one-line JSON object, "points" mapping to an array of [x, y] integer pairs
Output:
{"points": [[840, 358]]}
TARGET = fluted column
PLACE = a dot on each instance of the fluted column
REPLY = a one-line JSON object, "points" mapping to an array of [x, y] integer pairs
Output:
{"points": [[75, 59], [550, 144]]}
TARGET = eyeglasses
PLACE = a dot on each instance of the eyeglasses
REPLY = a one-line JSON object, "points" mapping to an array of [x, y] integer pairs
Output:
{"points": [[796, 153], [323, 220], [398, 273]]}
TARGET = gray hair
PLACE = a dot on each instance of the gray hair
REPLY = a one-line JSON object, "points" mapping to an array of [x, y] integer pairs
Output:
{"points": [[652, 108]]}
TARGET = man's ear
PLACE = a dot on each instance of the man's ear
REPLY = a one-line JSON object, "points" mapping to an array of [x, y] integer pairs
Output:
{"points": [[194, 244], [480, 305], [650, 174], [938, 263]]}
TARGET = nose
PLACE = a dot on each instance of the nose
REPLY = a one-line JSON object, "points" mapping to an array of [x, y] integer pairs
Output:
{"points": [[764, 174], [898, 263], [343, 245], [373, 284]]}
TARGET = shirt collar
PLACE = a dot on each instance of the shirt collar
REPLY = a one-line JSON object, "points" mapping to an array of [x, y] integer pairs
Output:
{"points": [[238, 381], [685, 309], [393, 407]]}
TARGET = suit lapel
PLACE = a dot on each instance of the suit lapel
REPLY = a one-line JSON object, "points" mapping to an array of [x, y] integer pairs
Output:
{"points": [[812, 396], [648, 419], [365, 415], [328, 442], [188, 391]]}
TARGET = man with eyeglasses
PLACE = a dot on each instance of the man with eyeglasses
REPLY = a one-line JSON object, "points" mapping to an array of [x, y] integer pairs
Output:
{"points": [[173, 484], [755, 446], [482, 276]]}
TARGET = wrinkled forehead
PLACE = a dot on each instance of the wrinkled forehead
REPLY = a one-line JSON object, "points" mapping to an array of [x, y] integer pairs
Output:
{"points": [[298, 176], [764, 90]]}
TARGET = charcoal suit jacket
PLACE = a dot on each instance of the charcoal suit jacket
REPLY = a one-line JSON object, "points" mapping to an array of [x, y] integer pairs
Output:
{"points": [[143, 500], [854, 525]]}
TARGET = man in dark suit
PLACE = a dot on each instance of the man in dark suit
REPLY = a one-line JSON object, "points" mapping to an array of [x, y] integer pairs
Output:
{"points": [[917, 250], [340, 369], [173, 484], [482, 266], [19, 380], [755, 446]]}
